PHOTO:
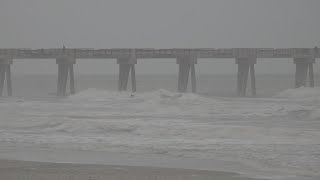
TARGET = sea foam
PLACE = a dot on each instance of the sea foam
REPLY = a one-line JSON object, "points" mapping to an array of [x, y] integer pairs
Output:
{"points": [[279, 133]]}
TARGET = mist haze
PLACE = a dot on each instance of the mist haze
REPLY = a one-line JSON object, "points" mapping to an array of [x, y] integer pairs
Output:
{"points": [[211, 113], [159, 24]]}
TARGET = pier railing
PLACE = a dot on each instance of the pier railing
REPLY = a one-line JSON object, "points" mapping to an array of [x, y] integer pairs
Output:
{"points": [[87, 53]]}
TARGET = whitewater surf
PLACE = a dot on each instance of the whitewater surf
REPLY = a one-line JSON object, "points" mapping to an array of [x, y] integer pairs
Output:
{"points": [[279, 135]]}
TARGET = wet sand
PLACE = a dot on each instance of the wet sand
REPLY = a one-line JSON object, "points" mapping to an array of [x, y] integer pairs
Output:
{"points": [[27, 170]]}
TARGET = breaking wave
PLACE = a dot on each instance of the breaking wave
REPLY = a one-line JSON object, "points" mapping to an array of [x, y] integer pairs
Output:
{"points": [[300, 93], [273, 133], [308, 96]]}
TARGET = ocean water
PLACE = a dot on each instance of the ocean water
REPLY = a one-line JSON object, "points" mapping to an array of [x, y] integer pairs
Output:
{"points": [[279, 131], [42, 85]]}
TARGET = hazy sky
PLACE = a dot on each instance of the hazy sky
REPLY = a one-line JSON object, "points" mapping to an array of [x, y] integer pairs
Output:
{"points": [[158, 24]]}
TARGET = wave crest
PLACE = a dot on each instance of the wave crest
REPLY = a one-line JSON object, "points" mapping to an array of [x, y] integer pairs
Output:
{"points": [[300, 93]]}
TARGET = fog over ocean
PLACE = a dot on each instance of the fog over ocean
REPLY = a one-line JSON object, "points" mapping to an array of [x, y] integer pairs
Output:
{"points": [[275, 135]]}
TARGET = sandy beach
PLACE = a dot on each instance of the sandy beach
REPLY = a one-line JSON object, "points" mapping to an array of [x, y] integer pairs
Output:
{"points": [[27, 170]]}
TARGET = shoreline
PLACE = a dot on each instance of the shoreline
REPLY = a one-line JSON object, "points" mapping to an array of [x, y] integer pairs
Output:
{"points": [[29, 170], [26, 153], [24, 156]]}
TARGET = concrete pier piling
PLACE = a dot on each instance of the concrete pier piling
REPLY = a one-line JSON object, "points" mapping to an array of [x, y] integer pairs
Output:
{"points": [[311, 75], [2, 78], [186, 63], [124, 71], [253, 80], [5, 74], [244, 66], [193, 79], [133, 78], [304, 67], [65, 69], [127, 65], [71, 76]]}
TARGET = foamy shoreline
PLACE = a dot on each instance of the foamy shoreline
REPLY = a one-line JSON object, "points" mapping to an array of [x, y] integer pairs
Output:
{"points": [[27, 170], [27, 155]]}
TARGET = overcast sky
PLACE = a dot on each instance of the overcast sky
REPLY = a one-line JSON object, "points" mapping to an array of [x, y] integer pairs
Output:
{"points": [[158, 24]]}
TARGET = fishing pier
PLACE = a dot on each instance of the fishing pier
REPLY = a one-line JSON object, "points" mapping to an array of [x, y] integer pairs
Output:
{"points": [[127, 59]]}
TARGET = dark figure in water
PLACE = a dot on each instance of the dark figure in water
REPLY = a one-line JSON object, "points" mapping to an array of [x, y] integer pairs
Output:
{"points": [[316, 51], [132, 95]]}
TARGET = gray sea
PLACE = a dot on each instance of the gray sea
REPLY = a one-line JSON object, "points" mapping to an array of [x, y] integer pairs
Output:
{"points": [[275, 135], [44, 85]]}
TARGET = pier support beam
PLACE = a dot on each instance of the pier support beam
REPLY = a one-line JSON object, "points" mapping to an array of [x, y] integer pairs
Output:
{"points": [[304, 66], [193, 79], [244, 65], [186, 63], [127, 65], [133, 78], [5, 74], [71, 75], [65, 69]]}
